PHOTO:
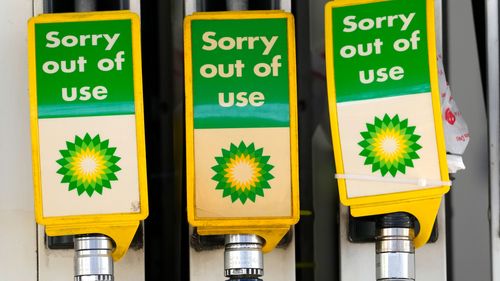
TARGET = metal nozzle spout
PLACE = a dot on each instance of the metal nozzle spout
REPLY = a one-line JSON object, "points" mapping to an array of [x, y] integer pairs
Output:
{"points": [[243, 258], [395, 251], [93, 261]]}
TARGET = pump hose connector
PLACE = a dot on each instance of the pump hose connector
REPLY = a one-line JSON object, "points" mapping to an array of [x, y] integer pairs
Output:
{"points": [[243, 258], [93, 261], [395, 250]]}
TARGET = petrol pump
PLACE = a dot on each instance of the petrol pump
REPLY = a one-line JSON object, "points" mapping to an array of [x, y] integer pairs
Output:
{"points": [[87, 131], [241, 132], [386, 122]]}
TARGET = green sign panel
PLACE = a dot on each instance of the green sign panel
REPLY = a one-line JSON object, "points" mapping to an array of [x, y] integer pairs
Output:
{"points": [[84, 68], [240, 73], [380, 50]]}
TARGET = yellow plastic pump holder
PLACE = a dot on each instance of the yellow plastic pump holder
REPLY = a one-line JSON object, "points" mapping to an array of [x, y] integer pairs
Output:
{"points": [[87, 124], [384, 108], [241, 123]]}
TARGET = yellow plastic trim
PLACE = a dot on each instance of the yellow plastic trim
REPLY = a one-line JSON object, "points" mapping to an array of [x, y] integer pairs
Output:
{"points": [[272, 229], [120, 227], [423, 204]]}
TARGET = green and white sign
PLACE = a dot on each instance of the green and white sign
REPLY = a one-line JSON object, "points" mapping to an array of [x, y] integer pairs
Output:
{"points": [[240, 84], [382, 79], [380, 50], [240, 73], [87, 119], [84, 68]]}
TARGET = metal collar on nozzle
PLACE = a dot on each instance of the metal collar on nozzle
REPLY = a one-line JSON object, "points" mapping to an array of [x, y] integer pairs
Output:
{"points": [[395, 251], [243, 258], [93, 261]]}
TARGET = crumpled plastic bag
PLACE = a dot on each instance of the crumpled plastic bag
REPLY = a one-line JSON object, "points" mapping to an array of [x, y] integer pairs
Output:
{"points": [[456, 132]]}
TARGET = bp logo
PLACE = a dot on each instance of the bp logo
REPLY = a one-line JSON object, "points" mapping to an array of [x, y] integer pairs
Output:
{"points": [[242, 172], [88, 165], [389, 145]]}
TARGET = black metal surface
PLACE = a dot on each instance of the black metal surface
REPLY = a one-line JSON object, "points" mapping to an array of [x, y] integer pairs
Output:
{"points": [[395, 220], [260, 5], [111, 5], [66, 242], [304, 230], [212, 6], [363, 229], [59, 242], [58, 6], [449, 236], [478, 9], [214, 242], [67, 6], [220, 5], [206, 242], [167, 254]]}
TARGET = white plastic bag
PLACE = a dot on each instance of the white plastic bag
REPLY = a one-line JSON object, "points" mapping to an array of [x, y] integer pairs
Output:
{"points": [[456, 132]]}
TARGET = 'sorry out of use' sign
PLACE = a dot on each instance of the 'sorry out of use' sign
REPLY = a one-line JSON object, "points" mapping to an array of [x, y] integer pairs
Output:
{"points": [[241, 118], [87, 118], [384, 100]]}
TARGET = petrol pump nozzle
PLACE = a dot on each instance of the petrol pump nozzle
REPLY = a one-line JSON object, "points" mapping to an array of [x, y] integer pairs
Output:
{"points": [[93, 261], [243, 258], [395, 250]]}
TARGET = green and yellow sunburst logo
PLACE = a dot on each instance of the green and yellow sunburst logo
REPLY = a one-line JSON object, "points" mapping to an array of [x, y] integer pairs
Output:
{"points": [[242, 172], [88, 165], [389, 145]]}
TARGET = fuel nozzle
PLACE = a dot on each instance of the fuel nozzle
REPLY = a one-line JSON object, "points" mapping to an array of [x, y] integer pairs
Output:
{"points": [[243, 258], [395, 251], [93, 261]]}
